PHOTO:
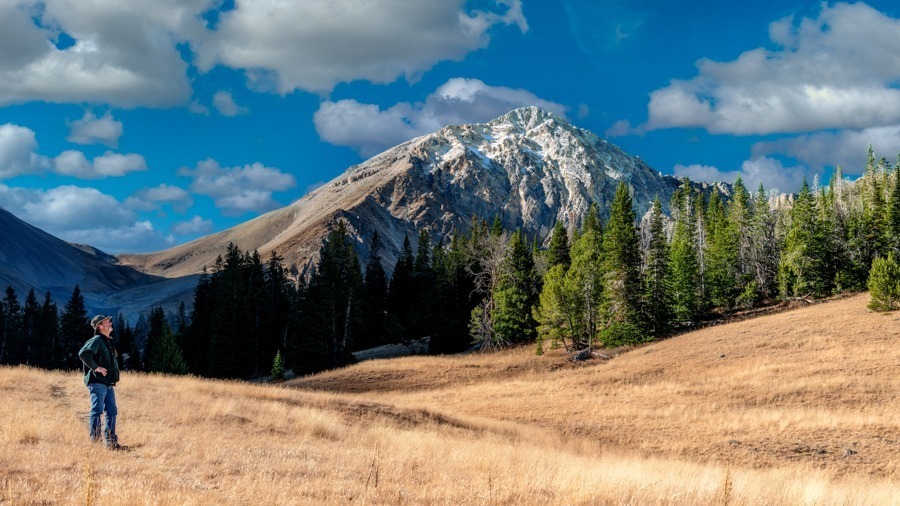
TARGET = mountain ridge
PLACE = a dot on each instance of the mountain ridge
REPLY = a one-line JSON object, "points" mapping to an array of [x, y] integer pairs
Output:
{"points": [[529, 167]]}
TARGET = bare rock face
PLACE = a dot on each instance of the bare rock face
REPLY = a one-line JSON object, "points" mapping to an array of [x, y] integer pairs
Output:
{"points": [[529, 167]]}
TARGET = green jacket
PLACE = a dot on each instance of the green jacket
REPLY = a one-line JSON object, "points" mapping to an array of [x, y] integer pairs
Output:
{"points": [[99, 352]]}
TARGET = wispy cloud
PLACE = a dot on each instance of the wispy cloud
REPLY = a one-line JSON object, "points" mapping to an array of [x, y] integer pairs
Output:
{"points": [[152, 199], [225, 104], [194, 226]]}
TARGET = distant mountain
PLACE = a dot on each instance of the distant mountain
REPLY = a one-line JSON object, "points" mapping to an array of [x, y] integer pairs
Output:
{"points": [[31, 258], [529, 167]]}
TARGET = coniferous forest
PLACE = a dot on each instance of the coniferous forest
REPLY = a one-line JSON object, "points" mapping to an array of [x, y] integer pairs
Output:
{"points": [[596, 284]]}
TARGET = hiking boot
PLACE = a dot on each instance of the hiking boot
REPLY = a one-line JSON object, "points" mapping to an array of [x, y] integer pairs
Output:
{"points": [[114, 446]]}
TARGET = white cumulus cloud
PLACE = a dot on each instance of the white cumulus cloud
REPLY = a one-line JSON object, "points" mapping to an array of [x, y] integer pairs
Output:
{"points": [[238, 189], [83, 215], [119, 53], [93, 130], [75, 164], [312, 45], [838, 70], [18, 152], [369, 130]]}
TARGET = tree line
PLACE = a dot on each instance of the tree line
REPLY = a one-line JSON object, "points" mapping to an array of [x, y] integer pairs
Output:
{"points": [[621, 281]]}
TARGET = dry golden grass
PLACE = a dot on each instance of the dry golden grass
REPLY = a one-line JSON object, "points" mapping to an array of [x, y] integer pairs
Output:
{"points": [[762, 411]]}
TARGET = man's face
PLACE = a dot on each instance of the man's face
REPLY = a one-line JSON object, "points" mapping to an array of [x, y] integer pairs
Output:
{"points": [[105, 327]]}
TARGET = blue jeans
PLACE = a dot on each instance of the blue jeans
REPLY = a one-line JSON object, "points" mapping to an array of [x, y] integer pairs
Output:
{"points": [[103, 399]]}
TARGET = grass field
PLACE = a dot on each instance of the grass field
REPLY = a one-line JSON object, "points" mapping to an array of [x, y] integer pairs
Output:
{"points": [[801, 407]]}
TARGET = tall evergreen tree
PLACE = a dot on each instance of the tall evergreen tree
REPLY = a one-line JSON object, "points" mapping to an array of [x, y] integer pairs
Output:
{"points": [[558, 252], [335, 292], [123, 336], [517, 294], [455, 294], [800, 269], [892, 216], [75, 329], [622, 283], [683, 264], [375, 305], [762, 260], [13, 344], [401, 294], [657, 302], [581, 294], [163, 354], [721, 254], [279, 307], [49, 348], [196, 347], [32, 339], [231, 349], [424, 300]]}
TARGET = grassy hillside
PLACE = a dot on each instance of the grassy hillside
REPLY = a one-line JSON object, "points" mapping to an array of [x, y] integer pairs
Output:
{"points": [[802, 407]]}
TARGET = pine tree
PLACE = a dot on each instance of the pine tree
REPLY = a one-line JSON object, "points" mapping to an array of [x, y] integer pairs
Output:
{"points": [[456, 290], [375, 296], [13, 344], [279, 307], [32, 340], [721, 255], [278, 368], [332, 302], [50, 331], [124, 339], [892, 216], [884, 284], [800, 270], [163, 353], [517, 294], [196, 347], [657, 294], [622, 283], [232, 351], [683, 264], [424, 307], [558, 252], [75, 329], [762, 259], [554, 313], [401, 295]]}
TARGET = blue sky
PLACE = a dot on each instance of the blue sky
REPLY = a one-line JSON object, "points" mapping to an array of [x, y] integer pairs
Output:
{"points": [[136, 126]]}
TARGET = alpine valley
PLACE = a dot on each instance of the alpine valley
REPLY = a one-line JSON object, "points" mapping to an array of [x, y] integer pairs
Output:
{"points": [[529, 168]]}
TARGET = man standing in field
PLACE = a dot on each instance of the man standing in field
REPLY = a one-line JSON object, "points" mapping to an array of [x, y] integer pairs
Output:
{"points": [[101, 360]]}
